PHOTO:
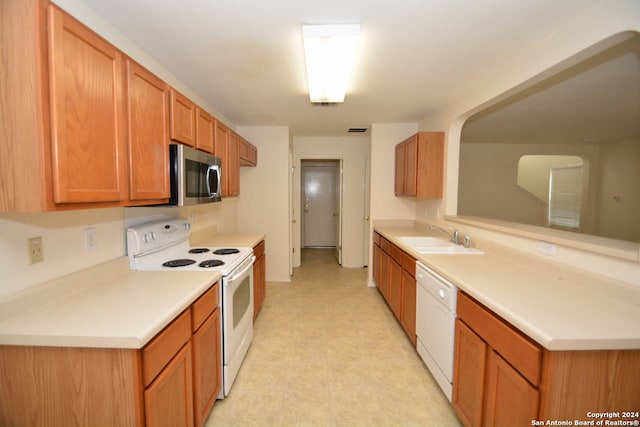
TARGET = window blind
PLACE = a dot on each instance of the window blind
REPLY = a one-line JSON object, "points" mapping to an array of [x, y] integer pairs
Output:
{"points": [[565, 197]]}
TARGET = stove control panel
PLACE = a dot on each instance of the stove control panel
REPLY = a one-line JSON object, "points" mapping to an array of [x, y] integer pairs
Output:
{"points": [[153, 236]]}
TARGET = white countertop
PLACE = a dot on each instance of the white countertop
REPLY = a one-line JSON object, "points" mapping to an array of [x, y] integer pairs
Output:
{"points": [[104, 306], [559, 307]]}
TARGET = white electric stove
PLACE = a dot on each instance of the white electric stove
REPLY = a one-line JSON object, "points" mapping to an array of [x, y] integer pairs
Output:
{"points": [[164, 246]]}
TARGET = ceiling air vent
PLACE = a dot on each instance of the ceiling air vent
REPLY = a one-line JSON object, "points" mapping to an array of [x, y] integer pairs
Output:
{"points": [[324, 104], [357, 130]]}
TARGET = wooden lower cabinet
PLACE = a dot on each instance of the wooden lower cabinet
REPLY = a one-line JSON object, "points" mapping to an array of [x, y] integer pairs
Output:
{"points": [[395, 287], [502, 378], [393, 273], [168, 401], [510, 399], [207, 369], [174, 380], [408, 312], [259, 278], [470, 359]]}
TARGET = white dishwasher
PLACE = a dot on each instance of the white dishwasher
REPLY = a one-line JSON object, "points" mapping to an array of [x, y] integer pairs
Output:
{"points": [[435, 324]]}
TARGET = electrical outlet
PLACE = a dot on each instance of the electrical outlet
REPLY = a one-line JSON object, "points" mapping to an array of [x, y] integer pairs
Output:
{"points": [[36, 251], [547, 248], [90, 239]]}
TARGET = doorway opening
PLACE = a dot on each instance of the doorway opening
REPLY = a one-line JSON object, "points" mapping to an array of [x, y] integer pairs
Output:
{"points": [[321, 205]]}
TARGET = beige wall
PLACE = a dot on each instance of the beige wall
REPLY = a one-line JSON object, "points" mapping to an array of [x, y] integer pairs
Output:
{"points": [[63, 244], [384, 204], [603, 20], [618, 207], [263, 206], [487, 183], [353, 151]]}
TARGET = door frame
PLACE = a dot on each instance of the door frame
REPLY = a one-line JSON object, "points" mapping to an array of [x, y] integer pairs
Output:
{"points": [[297, 220]]}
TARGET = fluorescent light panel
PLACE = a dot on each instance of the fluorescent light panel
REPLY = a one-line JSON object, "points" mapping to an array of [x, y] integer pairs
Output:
{"points": [[329, 52]]}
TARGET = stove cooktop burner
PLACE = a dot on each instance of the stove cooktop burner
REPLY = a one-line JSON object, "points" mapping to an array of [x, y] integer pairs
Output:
{"points": [[211, 263], [198, 250], [226, 251], [179, 263]]}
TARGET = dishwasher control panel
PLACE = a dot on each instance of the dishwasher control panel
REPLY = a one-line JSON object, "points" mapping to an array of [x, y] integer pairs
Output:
{"points": [[440, 288]]}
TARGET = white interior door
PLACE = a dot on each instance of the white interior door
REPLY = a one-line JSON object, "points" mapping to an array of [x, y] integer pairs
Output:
{"points": [[338, 211], [319, 203], [367, 208]]}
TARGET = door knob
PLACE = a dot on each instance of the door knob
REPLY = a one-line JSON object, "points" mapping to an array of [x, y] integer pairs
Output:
{"points": [[293, 221], [366, 218]]}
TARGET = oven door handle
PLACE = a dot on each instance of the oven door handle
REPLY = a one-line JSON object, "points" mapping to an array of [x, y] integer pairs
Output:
{"points": [[244, 270]]}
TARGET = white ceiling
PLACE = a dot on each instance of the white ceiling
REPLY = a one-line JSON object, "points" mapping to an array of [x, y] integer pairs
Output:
{"points": [[245, 57]]}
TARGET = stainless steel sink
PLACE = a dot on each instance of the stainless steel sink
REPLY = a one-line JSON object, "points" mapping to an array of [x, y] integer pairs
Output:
{"points": [[436, 245]]}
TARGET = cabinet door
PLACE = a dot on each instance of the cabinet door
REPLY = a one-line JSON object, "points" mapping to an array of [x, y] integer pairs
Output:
{"points": [[259, 284], [233, 164], [376, 261], [148, 134], [509, 399], [168, 400], [183, 119], [468, 375], [204, 131], [430, 165], [408, 315], [395, 287], [384, 274], [399, 172], [207, 376], [221, 146], [87, 118], [410, 168]]}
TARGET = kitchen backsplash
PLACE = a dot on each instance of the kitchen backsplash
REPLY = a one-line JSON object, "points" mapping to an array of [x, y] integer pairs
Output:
{"points": [[63, 238], [63, 244]]}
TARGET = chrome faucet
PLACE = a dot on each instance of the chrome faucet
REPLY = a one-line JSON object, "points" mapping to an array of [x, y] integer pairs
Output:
{"points": [[455, 235]]}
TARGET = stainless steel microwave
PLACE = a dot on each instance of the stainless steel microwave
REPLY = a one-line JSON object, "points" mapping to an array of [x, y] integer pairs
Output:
{"points": [[196, 176]]}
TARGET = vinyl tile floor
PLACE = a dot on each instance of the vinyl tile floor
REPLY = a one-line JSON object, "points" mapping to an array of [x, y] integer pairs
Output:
{"points": [[327, 351]]}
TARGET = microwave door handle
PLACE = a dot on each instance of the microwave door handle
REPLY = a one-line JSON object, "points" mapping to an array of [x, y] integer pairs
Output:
{"points": [[209, 170]]}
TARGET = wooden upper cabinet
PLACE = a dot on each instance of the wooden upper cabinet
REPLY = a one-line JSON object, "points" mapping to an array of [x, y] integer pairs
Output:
{"points": [[411, 163], [248, 153], [401, 154], [148, 134], [227, 148], [233, 165], [183, 119], [205, 133], [420, 166], [221, 138], [87, 118]]}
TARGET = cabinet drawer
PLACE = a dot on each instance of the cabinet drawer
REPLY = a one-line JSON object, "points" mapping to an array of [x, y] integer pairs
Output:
{"points": [[396, 253], [408, 263], [258, 249], [165, 345], [511, 344], [385, 244], [205, 305]]}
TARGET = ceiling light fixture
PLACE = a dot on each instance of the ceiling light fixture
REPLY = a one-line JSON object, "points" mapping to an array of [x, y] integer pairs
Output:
{"points": [[329, 52]]}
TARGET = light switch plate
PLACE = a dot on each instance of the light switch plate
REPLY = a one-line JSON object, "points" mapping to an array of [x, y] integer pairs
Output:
{"points": [[90, 240]]}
